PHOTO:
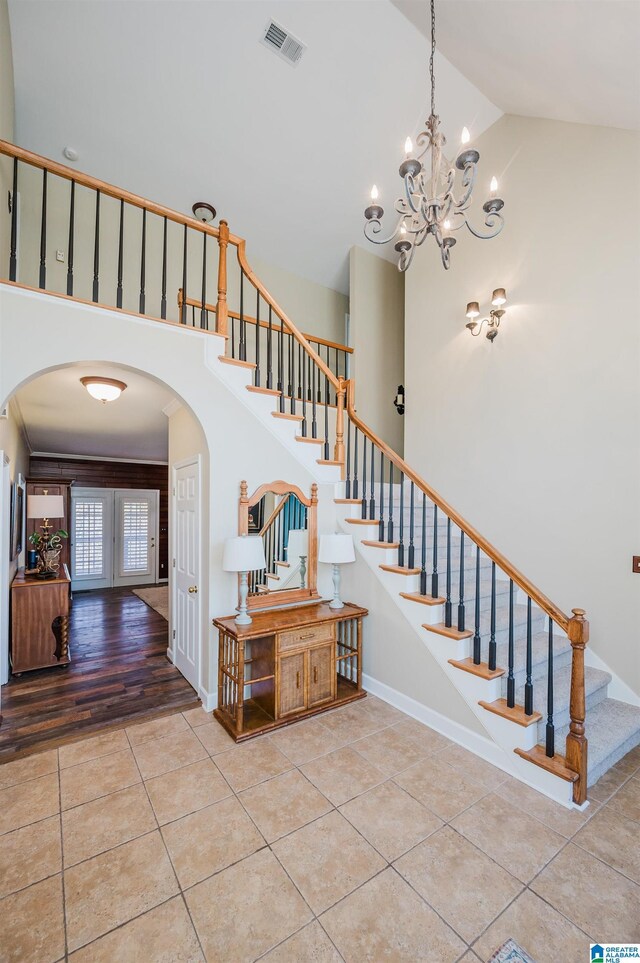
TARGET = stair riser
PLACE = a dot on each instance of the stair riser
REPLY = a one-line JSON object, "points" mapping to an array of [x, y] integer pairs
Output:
{"points": [[561, 716]]}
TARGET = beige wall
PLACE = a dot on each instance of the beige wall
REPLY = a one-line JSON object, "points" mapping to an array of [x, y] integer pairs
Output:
{"points": [[536, 438], [7, 116], [13, 444], [377, 336]]}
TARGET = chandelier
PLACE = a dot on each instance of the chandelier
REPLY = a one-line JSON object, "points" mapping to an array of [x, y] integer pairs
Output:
{"points": [[428, 204]]}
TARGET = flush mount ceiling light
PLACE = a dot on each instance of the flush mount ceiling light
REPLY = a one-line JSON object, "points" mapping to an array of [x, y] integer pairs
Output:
{"points": [[103, 389], [428, 205], [203, 212]]}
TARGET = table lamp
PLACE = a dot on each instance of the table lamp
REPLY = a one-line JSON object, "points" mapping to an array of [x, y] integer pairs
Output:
{"points": [[336, 550], [46, 507], [243, 554]]}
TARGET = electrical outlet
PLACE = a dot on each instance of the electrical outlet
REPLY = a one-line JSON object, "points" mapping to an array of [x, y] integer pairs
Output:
{"points": [[60, 256], [636, 564]]}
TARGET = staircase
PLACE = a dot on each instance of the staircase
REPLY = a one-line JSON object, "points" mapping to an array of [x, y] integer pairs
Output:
{"points": [[550, 709]]}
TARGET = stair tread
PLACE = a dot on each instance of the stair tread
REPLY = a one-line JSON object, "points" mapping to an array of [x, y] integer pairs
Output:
{"points": [[609, 726], [594, 679]]}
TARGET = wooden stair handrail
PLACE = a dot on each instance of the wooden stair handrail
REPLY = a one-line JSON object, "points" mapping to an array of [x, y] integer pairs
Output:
{"points": [[503, 563], [274, 514], [194, 303], [288, 323], [94, 183]]}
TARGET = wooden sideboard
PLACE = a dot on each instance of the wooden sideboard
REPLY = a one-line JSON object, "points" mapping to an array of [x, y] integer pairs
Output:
{"points": [[39, 621], [286, 665]]}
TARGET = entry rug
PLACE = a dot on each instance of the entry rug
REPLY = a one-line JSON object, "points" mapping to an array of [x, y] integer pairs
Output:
{"points": [[156, 598], [510, 952]]}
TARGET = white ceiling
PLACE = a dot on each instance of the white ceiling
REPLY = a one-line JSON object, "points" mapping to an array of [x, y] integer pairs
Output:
{"points": [[572, 60], [61, 417], [178, 101]]}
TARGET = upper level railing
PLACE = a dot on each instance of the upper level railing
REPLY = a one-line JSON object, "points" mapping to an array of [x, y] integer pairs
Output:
{"points": [[120, 250], [74, 235]]}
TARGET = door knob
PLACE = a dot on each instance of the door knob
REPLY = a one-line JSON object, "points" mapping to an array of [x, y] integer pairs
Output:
{"points": [[193, 590]]}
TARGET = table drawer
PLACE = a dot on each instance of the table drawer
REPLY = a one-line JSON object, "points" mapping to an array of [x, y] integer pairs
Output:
{"points": [[303, 638]]}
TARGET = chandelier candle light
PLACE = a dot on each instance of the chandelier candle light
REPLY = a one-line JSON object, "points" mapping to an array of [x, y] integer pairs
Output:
{"points": [[429, 205]]}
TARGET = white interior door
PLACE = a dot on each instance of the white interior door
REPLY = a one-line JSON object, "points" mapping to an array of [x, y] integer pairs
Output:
{"points": [[186, 611], [136, 520], [91, 538]]}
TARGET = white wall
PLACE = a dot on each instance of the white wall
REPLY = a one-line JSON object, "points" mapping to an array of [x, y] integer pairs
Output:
{"points": [[12, 442], [377, 336], [7, 117], [536, 438]]}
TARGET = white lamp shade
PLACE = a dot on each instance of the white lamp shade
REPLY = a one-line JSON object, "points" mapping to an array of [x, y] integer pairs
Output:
{"points": [[336, 549], [244, 553], [45, 506], [298, 544]]}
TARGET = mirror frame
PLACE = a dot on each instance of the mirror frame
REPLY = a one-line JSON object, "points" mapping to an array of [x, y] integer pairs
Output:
{"points": [[288, 596]]}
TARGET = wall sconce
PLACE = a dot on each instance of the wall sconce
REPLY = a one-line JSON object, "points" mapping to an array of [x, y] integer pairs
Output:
{"points": [[496, 314], [399, 400]]}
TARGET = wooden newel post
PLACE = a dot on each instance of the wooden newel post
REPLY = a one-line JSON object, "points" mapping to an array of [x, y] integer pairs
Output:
{"points": [[576, 749], [339, 447], [222, 308]]}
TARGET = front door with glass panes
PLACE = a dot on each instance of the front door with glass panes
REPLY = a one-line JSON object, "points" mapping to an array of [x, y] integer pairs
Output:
{"points": [[113, 537]]}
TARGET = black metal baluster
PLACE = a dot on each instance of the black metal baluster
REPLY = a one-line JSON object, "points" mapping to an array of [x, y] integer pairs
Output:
{"points": [[372, 500], [256, 378], [163, 294], [304, 392], [72, 214], [143, 261], [96, 251], [364, 476], [528, 686], [270, 352], [300, 373], [461, 618], [319, 350], [381, 500], [347, 487], [355, 462], [243, 324], [336, 373], [434, 570], [448, 608], [492, 636], [401, 530], [13, 245], [183, 312], [314, 424], [477, 642], [326, 450], [120, 256], [411, 561], [390, 518], [550, 729], [308, 363], [203, 294], [423, 548], [292, 358], [43, 233], [511, 682], [233, 336], [280, 382]]}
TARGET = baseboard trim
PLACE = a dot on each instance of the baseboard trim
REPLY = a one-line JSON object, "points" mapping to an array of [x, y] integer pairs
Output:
{"points": [[458, 733], [209, 700]]}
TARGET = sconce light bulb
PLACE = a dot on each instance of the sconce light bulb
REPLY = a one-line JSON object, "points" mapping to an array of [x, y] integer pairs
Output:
{"points": [[403, 229], [493, 187], [447, 225], [465, 137], [408, 146], [473, 309], [499, 297], [374, 193]]}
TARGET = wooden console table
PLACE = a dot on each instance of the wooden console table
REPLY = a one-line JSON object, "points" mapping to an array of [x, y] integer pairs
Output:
{"points": [[39, 621], [286, 665]]}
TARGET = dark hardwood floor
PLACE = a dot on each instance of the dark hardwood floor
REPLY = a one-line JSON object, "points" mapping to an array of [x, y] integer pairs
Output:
{"points": [[119, 674]]}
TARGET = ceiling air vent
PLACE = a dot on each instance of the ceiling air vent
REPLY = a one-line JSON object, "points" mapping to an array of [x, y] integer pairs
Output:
{"points": [[283, 43]]}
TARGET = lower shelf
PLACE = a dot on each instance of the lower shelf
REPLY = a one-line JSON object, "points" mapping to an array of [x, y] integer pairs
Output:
{"points": [[257, 721]]}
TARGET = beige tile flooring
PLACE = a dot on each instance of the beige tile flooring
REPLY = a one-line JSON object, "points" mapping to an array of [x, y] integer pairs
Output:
{"points": [[357, 835]]}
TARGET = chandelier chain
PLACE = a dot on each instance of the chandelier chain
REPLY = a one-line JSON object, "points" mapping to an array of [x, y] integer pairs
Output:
{"points": [[433, 50]]}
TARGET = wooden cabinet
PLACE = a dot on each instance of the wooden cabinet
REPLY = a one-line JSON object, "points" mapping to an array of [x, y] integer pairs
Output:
{"points": [[286, 665], [39, 621]]}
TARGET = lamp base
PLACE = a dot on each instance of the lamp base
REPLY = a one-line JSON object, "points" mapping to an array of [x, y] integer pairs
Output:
{"points": [[336, 604], [45, 575], [243, 619]]}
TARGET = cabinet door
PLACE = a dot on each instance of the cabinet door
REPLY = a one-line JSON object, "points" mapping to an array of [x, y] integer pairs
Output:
{"points": [[292, 695], [322, 674]]}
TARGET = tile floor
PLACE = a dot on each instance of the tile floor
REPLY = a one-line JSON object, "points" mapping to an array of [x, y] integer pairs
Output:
{"points": [[358, 835]]}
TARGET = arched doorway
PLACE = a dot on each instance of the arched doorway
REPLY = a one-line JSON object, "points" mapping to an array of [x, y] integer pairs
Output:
{"points": [[122, 637]]}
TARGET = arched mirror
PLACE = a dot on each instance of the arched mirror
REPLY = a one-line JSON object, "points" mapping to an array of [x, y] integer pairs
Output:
{"points": [[286, 520]]}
